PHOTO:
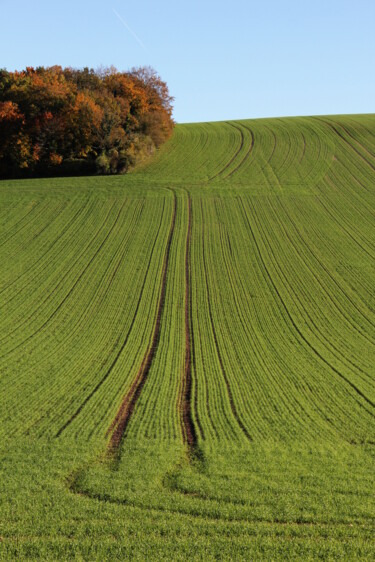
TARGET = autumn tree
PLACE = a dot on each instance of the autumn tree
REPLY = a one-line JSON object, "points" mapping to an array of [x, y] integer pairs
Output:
{"points": [[52, 116]]}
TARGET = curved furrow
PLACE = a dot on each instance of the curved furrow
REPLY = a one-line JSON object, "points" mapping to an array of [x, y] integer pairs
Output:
{"points": [[345, 140], [270, 369], [352, 357], [21, 253], [304, 149], [22, 245], [247, 154], [280, 360], [359, 201], [193, 398], [274, 143], [235, 155], [107, 348], [51, 288], [12, 223], [188, 427], [86, 371], [357, 142], [327, 341], [305, 251], [280, 146], [46, 253], [123, 345], [54, 290], [363, 133], [31, 220], [217, 348], [91, 312], [339, 256], [315, 351], [118, 427], [344, 125], [317, 149], [69, 293], [341, 223]]}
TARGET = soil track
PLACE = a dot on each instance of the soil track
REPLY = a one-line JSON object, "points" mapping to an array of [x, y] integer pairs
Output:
{"points": [[123, 345], [187, 420], [121, 421]]}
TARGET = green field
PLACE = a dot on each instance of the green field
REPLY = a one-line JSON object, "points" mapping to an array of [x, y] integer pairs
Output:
{"points": [[187, 352]]}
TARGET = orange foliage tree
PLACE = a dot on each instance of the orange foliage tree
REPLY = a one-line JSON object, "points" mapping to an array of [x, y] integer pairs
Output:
{"points": [[99, 120]]}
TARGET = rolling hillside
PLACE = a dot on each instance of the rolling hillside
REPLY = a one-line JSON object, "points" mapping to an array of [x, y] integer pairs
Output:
{"points": [[187, 353]]}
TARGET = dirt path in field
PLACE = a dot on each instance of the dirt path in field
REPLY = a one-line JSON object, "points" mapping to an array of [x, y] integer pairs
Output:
{"points": [[188, 427], [125, 341], [123, 416]]}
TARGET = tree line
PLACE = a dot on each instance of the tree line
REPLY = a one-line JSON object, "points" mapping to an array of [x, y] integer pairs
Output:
{"points": [[55, 120]]}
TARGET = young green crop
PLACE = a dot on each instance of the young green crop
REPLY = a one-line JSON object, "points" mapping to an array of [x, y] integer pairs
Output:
{"points": [[187, 352]]}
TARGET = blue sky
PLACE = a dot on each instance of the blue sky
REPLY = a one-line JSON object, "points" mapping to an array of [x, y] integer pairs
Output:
{"points": [[221, 60]]}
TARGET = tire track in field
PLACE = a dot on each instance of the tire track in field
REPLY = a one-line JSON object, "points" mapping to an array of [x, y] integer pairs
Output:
{"points": [[120, 423], [188, 427], [295, 326], [218, 352], [227, 165], [76, 485], [249, 150], [123, 345]]}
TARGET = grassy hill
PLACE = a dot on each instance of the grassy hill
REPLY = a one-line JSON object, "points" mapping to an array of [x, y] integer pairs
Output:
{"points": [[187, 353]]}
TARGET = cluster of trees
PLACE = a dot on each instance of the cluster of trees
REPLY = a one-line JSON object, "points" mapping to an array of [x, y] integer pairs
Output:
{"points": [[80, 120]]}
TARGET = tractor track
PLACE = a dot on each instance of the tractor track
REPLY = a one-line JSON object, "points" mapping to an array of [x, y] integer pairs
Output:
{"points": [[188, 428], [120, 423]]}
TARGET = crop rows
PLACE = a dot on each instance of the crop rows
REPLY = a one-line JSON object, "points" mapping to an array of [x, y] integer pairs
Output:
{"points": [[198, 317], [94, 294]]}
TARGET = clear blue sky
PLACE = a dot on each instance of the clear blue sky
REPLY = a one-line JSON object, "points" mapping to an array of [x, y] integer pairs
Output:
{"points": [[222, 60]]}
